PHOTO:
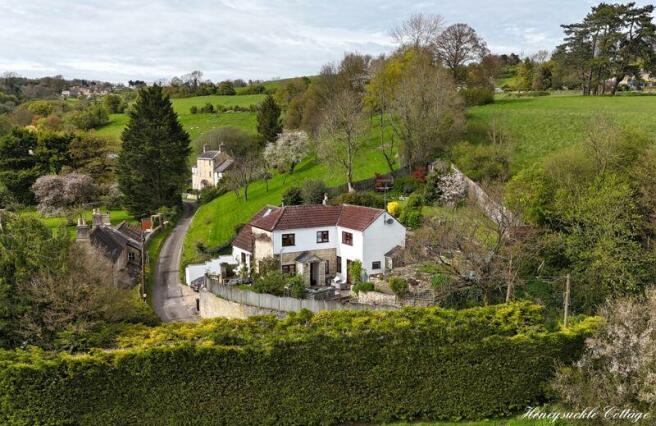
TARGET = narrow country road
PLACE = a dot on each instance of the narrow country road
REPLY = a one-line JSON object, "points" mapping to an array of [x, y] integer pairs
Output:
{"points": [[174, 301]]}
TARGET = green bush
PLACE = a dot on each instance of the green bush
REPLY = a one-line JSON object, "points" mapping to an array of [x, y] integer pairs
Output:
{"points": [[477, 96], [313, 191], [355, 271], [296, 287], [366, 199], [411, 218], [398, 285], [329, 368], [415, 201], [406, 185], [292, 196], [363, 287], [209, 193], [272, 282]]}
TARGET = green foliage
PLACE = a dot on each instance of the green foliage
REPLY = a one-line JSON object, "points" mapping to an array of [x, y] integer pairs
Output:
{"points": [[406, 185], [114, 104], [398, 285], [153, 162], [268, 264], [270, 282], [415, 201], [296, 287], [484, 362], [313, 191], [355, 271], [226, 88], [209, 193], [411, 218], [367, 199], [477, 96], [91, 117], [269, 125], [293, 196], [18, 168], [364, 287], [432, 190]]}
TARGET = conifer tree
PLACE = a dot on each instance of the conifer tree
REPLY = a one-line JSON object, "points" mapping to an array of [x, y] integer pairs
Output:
{"points": [[269, 125], [152, 165]]}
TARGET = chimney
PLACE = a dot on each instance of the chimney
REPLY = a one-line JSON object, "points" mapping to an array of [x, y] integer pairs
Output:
{"points": [[221, 147], [325, 199], [205, 148], [82, 230]]}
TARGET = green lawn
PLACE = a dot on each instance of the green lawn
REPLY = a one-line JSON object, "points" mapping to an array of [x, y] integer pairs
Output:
{"points": [[197, 124], [542, 125], [215, 222], [116, 217]]}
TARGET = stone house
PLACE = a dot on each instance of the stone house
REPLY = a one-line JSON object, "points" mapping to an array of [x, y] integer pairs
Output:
{"points": [[209, 168], [320, 242], [121, 245]]}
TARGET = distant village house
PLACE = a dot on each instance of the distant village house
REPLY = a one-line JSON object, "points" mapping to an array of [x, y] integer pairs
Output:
{"points": [[210, 167]]}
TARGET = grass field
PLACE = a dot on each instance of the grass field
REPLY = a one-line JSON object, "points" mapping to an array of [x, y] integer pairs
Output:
{"points": [[214, 223], [197, 124], [116, 217], [542, 125]]}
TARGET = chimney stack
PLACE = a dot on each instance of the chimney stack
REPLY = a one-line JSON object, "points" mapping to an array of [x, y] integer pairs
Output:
{"points": [[82, 230], [205, 148], [221, 147]]}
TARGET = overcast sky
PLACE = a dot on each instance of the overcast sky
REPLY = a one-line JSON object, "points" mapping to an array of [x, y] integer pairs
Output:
{"points": [[118, 40]]}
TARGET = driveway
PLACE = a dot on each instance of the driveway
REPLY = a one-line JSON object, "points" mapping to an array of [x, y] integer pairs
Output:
{"points": [[174, 301]]}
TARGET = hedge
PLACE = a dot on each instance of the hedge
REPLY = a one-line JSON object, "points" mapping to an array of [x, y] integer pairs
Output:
{"points": [[326, 368]]}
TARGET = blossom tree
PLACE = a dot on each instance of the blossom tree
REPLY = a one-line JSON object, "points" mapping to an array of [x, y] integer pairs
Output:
{"points": [[287, 151]]}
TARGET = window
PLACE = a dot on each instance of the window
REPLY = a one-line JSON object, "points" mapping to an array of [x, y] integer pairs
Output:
{"points": [[131, 256], [347, 238], [288, 240], [338, 265], [322, 236], [375, 265], [327, 266], [289, 269], [243, 258]]}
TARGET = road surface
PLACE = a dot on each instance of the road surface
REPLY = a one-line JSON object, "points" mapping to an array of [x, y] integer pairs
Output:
{"points": [[174, 301]]}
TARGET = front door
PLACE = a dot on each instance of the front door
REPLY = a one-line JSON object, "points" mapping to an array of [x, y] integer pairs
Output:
{"points": [[313, 273]]}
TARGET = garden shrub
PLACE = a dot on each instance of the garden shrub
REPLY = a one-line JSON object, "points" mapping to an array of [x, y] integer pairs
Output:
{"points": [[333, 367], [406, 185], [271, 282], [411, 218], [210, 193], [363, 287], [394, 208], [296, 287], [292, 196], [366, 199], [398, 285], [415, 201], [313, 191], [355, 271], [477, 96]]}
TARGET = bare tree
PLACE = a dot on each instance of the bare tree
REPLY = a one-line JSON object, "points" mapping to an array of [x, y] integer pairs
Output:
{"points": [[418, 30], [342, 130], [247, 166], [425, 111], [458, 45]]}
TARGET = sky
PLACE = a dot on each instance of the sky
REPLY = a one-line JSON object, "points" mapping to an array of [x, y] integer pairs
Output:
{"points": [[121, 40]]}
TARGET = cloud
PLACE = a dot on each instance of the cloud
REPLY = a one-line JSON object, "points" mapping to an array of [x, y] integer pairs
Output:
{"points": [[118, 40]]}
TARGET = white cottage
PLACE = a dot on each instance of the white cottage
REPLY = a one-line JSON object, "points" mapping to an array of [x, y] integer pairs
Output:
{"points": [[320, 241]]}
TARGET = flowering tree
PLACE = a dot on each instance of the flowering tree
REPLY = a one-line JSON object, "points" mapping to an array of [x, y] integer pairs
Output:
{"points": [[56, 194], [287, 151], [619, 366]]}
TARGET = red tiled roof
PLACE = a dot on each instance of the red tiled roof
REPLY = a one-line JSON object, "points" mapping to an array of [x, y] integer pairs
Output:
{"points": [[273, 218], [244, 238], [357, 217]]}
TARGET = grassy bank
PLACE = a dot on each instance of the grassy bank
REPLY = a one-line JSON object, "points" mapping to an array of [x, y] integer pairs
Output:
{"points": [[214, 223], [53, 222], [153, 250], [539, 126]]}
